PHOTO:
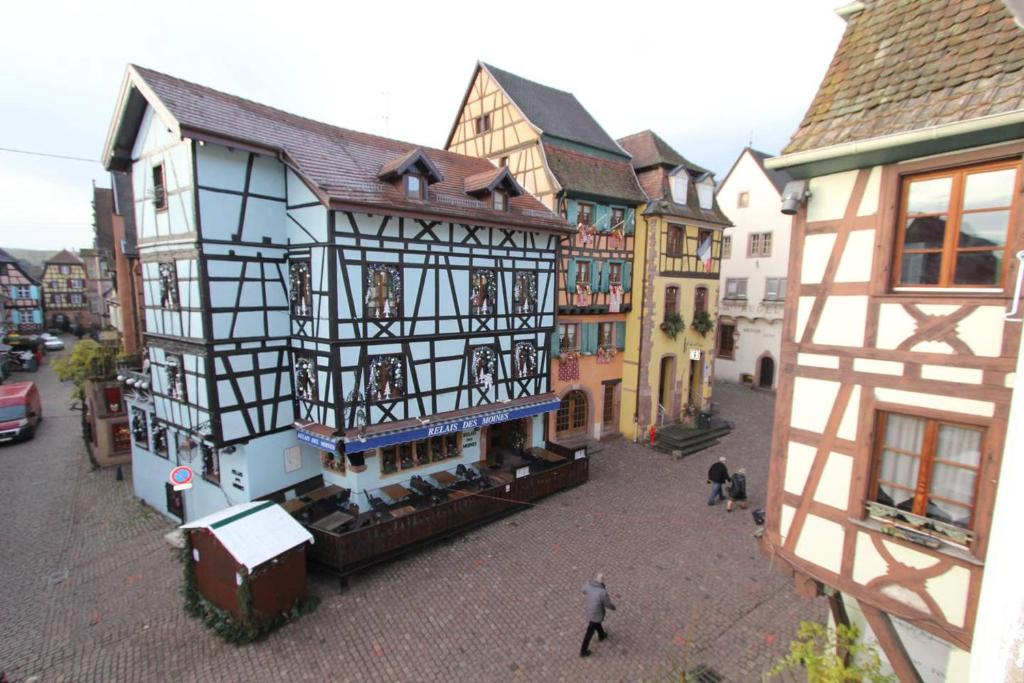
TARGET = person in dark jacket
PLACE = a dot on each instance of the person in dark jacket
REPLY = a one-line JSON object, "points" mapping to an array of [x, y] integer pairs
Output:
{"points": [[597, 601], [738, 490], [717, 476]]}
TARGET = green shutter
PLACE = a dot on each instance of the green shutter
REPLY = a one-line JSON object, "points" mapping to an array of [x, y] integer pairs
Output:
{"points": [[570, 276], [595, 275], [627, 276], [603, 276], [588, 337], [630, 221], [620, 336], [602, 217], [556, 342], [571, 209]]}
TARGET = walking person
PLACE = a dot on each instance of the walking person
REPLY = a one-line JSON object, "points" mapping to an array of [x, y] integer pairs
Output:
{"points": [[718, 475], [597, 601], [738, 490]]}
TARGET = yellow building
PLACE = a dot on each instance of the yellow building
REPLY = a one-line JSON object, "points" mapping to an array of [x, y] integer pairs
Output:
{"points": [[670, 334]]}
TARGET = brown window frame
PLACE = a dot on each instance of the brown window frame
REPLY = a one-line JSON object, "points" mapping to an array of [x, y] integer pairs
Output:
{"points": [[618, 216], [955, 213], [499, 197], [580, 213], [606, 334], [759, 244], [562, 337], [608, 405], [727, 351], [726, 246], [159, 188], [482, 123], [700, 303], [419, 194], [615, 273], [674, 308], [421, 453], [675, 237], [572, 412], [926, 462]]}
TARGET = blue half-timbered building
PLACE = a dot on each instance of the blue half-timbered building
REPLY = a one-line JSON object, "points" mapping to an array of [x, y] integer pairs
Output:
{"points": [[328, 313]]}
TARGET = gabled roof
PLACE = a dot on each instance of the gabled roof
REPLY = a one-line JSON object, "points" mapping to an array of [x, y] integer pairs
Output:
{"points": [[555, 112], [254, 533], [65, 257], [776, 177], [339, 165], [489, 181], [648, 149], [904, 66], [595, 176], [415, 157]]}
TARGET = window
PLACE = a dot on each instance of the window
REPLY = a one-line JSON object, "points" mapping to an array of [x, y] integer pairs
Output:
{"points": [[742, 200], [584, 214], [330, 460], [569, 336], [700, 300], [112, 397], [175, 377], [572, 413], [77, 284], [524, 360], [305, 379], [583, 272], [414, 186], [503, 162], [615, 273], [726, 340], [160, 441], [671, 301], [140, 429], [300, 288], [680, 188], [500, 201], [524, 293], [76, 298], [706, 193], [168, 285], [65, 270], [674, 241], [727, 246], [927, 467], [482, 123], [159, 193], [383, 291], [211, 463], [759, 244], [483, 291], [775, 289], [22, 292], [736, 288], [954, 225], [618, 219], [606, 334], [418, 453], [121, 436], [385, 381], [608, 405], [483, 367]]}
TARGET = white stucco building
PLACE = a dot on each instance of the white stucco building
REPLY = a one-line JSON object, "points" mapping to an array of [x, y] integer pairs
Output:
{"points": [[755, 258]]}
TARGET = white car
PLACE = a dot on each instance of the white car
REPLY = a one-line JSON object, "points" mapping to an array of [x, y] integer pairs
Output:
{"points": [[52, 344]]}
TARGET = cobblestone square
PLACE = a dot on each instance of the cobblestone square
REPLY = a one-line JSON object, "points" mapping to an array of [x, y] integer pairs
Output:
{"points": [[90, 589]]}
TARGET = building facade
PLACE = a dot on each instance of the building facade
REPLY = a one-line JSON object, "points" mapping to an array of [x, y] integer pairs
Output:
{"points": [[669, 356], [357, 324], [898, 362], [65, 295], [22, 306], [755, 263], [559, 153]]}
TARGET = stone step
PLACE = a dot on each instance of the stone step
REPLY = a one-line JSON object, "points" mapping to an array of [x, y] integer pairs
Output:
{"points": [[691, 436], [688, 450]]}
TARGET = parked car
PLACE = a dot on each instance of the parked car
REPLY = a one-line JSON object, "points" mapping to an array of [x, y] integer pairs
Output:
{"points": [[53, 344], [20, 411]]}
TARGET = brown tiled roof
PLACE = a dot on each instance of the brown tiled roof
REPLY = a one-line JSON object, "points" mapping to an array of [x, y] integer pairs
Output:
{"points": [[416, 156], [648, 149], [343, 164], [66, 257], [660, 202], [583, 173], [909, 64], [488, 181]]}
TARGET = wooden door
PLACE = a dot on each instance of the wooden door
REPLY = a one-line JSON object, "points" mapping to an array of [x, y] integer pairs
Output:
{"points": [[767, 373], [572, 414]]}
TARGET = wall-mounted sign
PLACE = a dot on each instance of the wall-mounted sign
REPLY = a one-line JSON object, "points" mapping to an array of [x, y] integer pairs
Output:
{"points": [[694, 354], [292, 458], [579, 454], [324, 443], [181, 478], [523, 472]]}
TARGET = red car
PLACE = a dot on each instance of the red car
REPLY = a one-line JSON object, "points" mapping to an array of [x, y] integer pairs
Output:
{"points": [[20, 411]]}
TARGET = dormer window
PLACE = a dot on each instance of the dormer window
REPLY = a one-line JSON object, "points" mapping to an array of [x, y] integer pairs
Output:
{"points": [[414, 186], [706, 192], [500, 201], [680, 187], [495, 187]]}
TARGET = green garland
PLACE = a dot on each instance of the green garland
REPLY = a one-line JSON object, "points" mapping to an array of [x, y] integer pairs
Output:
{"points": [[702, 323], [250, 627]]}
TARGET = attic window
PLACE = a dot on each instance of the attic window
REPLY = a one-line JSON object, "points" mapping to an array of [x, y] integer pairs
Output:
{"points": [[680, 186], [483, 123], [414, 186], [500, 201], [743, 200], [159, 193], [706, 193]]}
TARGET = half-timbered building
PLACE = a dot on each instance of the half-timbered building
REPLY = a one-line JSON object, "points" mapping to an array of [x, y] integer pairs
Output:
{"points": [[556, 150], [670, 350], [897, 359], [64, 291], [22, 307], [325, 307]]}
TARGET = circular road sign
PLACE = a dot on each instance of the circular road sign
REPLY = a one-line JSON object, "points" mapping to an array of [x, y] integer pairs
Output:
{"points": [[181, 475]]}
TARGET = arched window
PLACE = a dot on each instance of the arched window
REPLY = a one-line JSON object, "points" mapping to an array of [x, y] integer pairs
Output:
{"points": [[671, 301], [572, 413], [700, 300]]}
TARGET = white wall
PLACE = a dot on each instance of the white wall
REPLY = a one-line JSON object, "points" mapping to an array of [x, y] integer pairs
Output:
{"points": [[758, 324]]}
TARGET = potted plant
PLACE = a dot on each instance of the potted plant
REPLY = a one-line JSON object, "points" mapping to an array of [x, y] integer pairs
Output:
{"points": [[672, 325], [702, 323]]}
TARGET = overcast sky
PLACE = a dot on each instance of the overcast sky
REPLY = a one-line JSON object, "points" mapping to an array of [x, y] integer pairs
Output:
{"points": [[706, 75]]}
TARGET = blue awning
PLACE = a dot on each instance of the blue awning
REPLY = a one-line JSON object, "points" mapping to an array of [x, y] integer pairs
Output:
{"points": [[457, 424]]}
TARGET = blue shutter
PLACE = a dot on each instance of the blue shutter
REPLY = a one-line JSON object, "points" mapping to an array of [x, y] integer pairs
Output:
{"points": [[571, 209], [603, 275], [620, 336], [627, 276], [595, 275], [630, 221], [603, 217], [570, 276], [588, 338], [556, 342]]}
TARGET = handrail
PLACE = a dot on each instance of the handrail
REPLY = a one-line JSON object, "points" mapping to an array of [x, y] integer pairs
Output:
{"points": [[1009, 316]]}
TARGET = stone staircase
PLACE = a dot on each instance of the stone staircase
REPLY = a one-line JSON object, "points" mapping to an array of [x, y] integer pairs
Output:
{"points": [[679, 440]]}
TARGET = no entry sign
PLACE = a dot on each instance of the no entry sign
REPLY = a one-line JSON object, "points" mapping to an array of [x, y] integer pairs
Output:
{"points": [[181, 478]]}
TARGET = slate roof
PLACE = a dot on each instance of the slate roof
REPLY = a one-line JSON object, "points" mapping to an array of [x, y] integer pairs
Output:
{"points": [[598, 176], [904, 65], [66, 257], [655, 181], [648, 149], [341, 164], [777, 177], [555, 112]]}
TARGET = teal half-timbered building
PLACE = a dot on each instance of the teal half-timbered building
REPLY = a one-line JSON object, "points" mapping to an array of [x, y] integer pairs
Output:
{"points": [[325, 310]]}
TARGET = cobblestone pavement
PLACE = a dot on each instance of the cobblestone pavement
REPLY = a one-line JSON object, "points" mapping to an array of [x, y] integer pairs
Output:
{"points": [[89, 589]]}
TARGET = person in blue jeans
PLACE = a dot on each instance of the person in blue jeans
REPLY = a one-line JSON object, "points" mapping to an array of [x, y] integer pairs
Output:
{"points": [[717, 476]]}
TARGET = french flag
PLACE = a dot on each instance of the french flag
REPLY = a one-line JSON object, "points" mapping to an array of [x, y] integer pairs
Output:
{"points": [[704, 253]]}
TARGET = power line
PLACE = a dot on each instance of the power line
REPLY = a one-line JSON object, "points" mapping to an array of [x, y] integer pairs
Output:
{"points": [[44, 154]]}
